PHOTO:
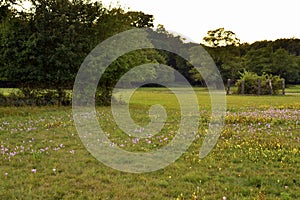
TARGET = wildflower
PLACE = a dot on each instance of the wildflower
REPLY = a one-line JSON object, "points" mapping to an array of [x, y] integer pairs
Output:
{"points": [[33, 170], [135, 141], [224, 198], [56, 149], [148, 141], [72, 151], [12, 154], [112, 144], [54, 170], [5, 174]]}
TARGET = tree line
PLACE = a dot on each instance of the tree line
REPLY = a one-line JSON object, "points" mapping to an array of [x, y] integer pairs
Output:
{"points": [[43, 47], [278, 58]]}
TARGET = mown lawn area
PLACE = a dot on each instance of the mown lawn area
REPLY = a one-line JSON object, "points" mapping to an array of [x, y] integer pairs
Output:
{"points": [[257, 155]]}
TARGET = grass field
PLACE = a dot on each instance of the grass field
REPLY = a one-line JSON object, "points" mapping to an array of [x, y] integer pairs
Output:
{"points": [[293, 89], [256, 157]]}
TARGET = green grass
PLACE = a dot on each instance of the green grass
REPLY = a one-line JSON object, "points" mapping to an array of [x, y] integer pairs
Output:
{"points": [[256, 157], [293, 89], [289, 89]]}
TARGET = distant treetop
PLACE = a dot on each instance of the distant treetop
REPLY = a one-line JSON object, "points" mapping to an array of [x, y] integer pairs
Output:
{"points": [[221, 37]]}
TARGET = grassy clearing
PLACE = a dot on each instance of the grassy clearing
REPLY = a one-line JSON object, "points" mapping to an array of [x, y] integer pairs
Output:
{"points": [[256, 157]]}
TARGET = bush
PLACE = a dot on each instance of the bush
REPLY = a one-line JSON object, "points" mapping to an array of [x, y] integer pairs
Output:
{"points": [[251, 83], [36, 97]]}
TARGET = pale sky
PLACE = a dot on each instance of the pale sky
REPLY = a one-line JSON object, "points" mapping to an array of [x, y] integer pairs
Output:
{"points": [[251, 20]]}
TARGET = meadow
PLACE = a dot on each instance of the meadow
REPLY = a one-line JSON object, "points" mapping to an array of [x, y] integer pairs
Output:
{"points": [[257, 155]]}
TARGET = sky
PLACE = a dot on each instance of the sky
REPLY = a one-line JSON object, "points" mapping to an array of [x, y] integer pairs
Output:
{"points": [[250, 20]]}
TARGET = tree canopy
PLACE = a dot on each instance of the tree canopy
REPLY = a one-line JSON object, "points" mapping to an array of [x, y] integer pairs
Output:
{"points": [[221, 37]]}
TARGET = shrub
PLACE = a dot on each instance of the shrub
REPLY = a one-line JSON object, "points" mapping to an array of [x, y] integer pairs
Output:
{"points": [[36, 97], [251, 83]]}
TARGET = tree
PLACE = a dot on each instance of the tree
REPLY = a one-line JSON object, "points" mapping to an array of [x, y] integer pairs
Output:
{"points": [[292, 45], [14, 35], [221, 37], [280, 62], [45, 47], [285, 65], [122, 65], [175, 43], [259, 60], [231, 68]]}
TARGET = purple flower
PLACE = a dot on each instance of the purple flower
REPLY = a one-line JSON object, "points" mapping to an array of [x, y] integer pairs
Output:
{"points": [[12, 154], [136, 140], [33, 170]]}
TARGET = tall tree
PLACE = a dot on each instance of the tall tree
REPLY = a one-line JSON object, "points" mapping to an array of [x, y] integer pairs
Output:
{"points": [[285, 65], [221, 37], [176, 43], [259, 60]]}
